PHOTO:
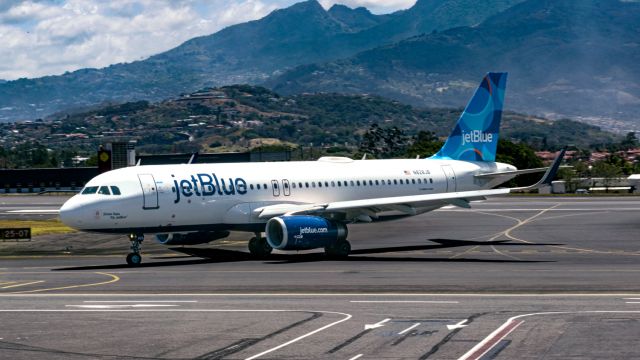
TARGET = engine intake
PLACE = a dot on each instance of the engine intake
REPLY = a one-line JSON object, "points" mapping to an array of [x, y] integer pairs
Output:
{"points": [[193, 238], [302, 232]]}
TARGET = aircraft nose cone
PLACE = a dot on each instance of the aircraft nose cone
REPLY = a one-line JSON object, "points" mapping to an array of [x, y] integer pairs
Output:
{"points": [[71, 213]]}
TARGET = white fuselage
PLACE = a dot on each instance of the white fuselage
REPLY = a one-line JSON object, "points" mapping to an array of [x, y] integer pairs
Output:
{"points": [[192, 197]]}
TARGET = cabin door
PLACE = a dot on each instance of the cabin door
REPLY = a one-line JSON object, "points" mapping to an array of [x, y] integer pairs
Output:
{"points": [[276, 188], [450, 177], [149, 191]]}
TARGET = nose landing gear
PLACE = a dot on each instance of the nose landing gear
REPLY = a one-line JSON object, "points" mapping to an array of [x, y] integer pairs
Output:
{"points": [[134, 258]]}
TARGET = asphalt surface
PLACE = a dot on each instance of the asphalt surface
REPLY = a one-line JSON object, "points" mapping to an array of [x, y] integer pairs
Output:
{"points": [[515, 277]]}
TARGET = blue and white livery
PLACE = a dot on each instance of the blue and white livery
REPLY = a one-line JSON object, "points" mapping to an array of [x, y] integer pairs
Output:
{"points": [[298, 205]]}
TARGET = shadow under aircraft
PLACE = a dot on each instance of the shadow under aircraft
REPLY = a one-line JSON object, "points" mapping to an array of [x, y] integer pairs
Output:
{"points": [[217, 255]]}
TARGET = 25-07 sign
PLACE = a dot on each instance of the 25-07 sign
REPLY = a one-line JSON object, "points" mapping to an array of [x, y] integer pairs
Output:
{"points": [[15, 234]]}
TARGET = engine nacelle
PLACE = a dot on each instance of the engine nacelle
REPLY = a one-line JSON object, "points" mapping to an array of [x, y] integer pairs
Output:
{"points": [[302, 232], [193, 238]]}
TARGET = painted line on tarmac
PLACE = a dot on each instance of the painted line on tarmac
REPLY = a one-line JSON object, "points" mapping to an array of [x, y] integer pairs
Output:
{"points": [[140, 301], [268, 351], [410, 295], [409, 328], [22, 284], [119, 306], [114, 278], [512, 323], [405, 301], [38, 211], [356, 357]]}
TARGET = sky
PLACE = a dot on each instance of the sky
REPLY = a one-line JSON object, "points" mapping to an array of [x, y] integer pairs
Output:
{"points": [[49, 37]]}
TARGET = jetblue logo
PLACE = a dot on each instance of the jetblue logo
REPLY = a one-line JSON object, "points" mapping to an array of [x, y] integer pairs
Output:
{"points": [[311, 230], [208, 185], [476, 136]]}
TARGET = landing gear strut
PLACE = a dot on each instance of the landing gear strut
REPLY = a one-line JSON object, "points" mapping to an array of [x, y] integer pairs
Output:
{"points": [[339, 250], [259, 247], [134, 258]]}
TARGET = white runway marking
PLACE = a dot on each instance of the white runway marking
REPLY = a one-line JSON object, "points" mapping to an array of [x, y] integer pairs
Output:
{"points": [[119, 306], [140, 301], [405, 301], [346, 317], [33, 211], [505, 329], [376, 325], [409, 328], [356, 357], [459, 325]]}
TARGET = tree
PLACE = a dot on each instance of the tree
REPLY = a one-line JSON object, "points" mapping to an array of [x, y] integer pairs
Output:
{"points": [[383, 143], [521, 156], [425, 144]]}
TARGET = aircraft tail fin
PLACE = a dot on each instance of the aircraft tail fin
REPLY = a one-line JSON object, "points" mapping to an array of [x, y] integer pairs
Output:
{"points": [[475, 136]]}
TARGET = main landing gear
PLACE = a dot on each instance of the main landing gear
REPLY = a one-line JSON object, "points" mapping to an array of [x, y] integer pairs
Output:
{"points": [[134, 258], [259, 247], [339, 250]]}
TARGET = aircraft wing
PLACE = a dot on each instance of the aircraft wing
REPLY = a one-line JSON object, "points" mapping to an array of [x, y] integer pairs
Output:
{"points": [[409, 205]]}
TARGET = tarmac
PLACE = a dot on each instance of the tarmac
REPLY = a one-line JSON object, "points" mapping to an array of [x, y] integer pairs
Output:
{"points": [[514, 277]]}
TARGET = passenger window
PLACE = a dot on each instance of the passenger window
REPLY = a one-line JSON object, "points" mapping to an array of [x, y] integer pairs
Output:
{"points": [[300, 185], [319, 183], [89, 190], [258, 186], [265, 186], [293, 185], [352, 183], [339, 183], [395, 181], [104, 190], [326, 183], [419, 181], [358, 182], [431, 180], [251, 186], [115, 190], [377, 183], [333, 184], [413, 181]]}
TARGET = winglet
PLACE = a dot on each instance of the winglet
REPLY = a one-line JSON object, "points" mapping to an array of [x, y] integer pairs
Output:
{"points": [[549, 175]]}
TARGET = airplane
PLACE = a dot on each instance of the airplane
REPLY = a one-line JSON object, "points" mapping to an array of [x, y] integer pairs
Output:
{"points": [[300, 205]]}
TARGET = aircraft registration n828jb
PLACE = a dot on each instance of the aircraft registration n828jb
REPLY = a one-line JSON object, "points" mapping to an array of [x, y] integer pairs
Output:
{"points": [[299, 205]]}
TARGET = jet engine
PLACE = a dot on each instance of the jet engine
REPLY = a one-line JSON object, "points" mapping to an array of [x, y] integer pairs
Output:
{"points": [[302, 232], [193, 238]]}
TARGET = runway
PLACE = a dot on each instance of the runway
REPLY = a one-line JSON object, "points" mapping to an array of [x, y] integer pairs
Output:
{"points": [[515, 277]]}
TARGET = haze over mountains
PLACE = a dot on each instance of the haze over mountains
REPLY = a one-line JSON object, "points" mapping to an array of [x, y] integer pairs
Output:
{"points": [[566, 57]]}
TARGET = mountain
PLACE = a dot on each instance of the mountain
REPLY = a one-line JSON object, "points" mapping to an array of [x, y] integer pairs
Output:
{"points": [[251, 52], [565, 57]]}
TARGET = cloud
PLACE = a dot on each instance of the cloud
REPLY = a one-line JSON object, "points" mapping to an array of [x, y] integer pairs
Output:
{"points": [[48, 37]]}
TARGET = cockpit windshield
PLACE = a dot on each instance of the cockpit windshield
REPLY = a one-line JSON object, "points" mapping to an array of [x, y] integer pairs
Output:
{"points": [[102, 190], [89, 190]]}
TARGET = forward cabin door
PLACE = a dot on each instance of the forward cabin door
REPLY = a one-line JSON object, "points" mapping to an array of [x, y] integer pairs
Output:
{"points": [[450, 176], [276, 188], [149, 191]]}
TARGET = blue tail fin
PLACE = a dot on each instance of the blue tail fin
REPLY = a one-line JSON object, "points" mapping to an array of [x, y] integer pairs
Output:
{"points": [[475, 137]]}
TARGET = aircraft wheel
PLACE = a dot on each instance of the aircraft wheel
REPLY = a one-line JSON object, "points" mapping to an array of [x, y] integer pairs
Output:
{"points": [[339, 250], [259, 247], [134, 259]]}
